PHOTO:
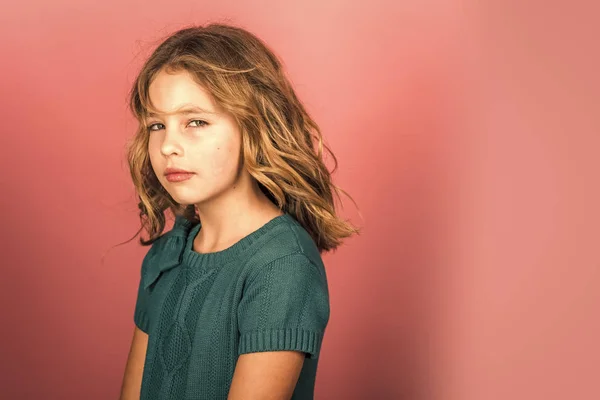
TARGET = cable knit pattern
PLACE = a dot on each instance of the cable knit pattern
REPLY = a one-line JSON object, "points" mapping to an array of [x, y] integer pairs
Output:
{"points": [[267, 292]]}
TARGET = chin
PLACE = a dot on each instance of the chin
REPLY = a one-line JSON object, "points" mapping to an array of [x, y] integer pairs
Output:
{"points": [[186, 199], [196, 194]]}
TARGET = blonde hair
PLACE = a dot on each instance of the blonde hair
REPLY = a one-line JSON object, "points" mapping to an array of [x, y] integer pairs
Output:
{"points": [[282, 145]]}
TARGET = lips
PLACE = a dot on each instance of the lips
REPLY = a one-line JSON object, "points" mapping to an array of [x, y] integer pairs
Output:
{"points": [[178, 171], [174, 175]]}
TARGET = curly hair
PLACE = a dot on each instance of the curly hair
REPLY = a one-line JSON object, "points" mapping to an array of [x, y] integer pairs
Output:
{"points": [[282, 146]]}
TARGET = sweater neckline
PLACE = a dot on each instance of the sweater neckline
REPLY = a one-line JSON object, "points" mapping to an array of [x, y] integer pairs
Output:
{"points": [[197, 260]]}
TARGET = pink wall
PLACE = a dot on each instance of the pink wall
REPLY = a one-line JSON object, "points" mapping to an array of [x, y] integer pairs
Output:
{"points": [[467, 134], [522, 314]]}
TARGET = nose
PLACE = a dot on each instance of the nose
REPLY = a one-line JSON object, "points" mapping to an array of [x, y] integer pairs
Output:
{"points": [[171, 143]]}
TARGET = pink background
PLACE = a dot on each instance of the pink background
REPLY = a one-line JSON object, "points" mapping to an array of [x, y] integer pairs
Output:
{"points": [[467, 132]]}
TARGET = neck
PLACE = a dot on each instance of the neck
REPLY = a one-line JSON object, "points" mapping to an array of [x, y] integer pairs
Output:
{"points": [[233, 216]]}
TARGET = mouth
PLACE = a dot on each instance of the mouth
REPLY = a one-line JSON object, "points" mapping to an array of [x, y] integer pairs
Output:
{"points": [[171, 170], [177, 175]]}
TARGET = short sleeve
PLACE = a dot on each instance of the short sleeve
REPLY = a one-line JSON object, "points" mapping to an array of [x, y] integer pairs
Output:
{"points": [[285, 306], [141, 315]]}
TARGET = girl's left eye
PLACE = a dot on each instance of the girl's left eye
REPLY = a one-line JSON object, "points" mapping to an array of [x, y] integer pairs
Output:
{"points": [[200, 122]]}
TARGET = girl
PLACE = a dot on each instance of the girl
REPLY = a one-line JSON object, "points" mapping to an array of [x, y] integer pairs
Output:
{"points": [[233, 301]]}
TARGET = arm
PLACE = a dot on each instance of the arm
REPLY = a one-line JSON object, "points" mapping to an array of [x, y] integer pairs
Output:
{"points": [[270, 375], [134, 369], [282, 316]]}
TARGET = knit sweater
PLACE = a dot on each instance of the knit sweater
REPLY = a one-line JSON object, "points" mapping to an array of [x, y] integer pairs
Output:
{"points": [[266, 292]]}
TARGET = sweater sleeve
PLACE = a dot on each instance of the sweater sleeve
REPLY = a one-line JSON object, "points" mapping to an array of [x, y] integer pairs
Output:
{"points": [[140, 314], [285, 306]]}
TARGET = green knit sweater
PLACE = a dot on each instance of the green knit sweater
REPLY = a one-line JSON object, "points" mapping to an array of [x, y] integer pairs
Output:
{"points": [[201, 311]]}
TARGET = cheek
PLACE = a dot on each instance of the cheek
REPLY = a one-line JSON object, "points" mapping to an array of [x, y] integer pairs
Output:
{"points": [[154, 155], [223, 161]]}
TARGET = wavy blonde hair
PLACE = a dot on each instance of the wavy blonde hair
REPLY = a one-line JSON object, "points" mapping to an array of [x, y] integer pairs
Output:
{"points": [[282, 145]]}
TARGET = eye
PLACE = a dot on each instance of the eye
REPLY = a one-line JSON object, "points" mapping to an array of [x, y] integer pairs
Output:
{"points": [[149, 127], [199, 122], [157, 126]]}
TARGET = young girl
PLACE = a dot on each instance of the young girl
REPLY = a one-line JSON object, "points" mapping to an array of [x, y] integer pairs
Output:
{"points": [[233, 301]]}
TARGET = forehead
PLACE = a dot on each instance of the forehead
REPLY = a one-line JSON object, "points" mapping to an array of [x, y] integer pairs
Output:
{"points": [[172, 93]]}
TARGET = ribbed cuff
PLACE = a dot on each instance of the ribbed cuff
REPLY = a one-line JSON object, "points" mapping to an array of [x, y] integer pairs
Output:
{"points": [[141, 320], [298, 339]]}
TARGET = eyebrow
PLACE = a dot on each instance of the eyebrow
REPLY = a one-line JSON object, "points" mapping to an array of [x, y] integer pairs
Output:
{"points": [[182, 111]]}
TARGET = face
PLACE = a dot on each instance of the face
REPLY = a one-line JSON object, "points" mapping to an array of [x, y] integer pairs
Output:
{"points": [[191, 133]]}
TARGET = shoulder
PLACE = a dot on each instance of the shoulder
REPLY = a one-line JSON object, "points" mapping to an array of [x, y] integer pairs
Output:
{"points": [[287, 243]]}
